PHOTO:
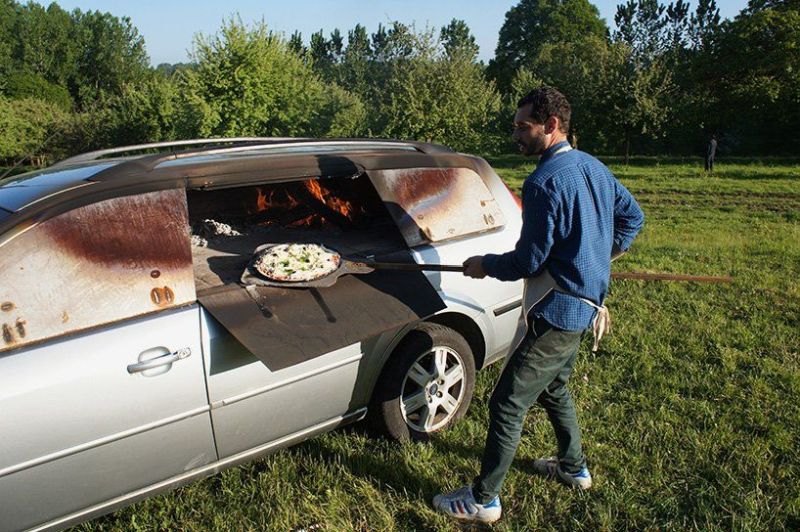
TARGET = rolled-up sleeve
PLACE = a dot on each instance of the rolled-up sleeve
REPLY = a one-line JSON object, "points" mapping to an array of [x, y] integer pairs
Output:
{"points": [[628, 217], [535, 241]]}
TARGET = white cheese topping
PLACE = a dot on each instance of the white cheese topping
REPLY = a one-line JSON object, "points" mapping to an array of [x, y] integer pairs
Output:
{"points": [[297, 262]]}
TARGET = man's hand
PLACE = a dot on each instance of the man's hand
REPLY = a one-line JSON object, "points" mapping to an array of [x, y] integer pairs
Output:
{"points": [[473, 267]]}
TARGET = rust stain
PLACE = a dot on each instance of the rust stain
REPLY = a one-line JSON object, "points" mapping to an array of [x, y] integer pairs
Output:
{"points": [[8, 335], [20, 325], [7, 306], [162, 297], [422, 185], [64, 317], [127, 232]]}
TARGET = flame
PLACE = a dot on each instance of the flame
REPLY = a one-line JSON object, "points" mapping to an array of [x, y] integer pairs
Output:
{"points": [[261, 200], [343, 207], [287, 197]]}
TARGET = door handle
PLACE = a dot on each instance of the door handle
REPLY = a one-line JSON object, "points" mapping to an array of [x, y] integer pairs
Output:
{"points": [[163, 360]]}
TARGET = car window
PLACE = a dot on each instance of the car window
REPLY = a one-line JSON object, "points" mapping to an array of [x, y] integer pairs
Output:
{"points": [[97, 264], [437, 204]]}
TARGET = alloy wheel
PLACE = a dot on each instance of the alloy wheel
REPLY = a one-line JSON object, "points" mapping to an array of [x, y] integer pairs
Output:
{"points": [[433, 389]]}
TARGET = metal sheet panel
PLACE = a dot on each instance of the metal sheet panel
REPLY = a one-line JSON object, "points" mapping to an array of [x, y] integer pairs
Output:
{"points": [[100, 263], [436, 204], [285, 326]]}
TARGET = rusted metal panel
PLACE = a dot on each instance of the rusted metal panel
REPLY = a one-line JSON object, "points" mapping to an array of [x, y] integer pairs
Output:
{"points": [[104, 262], [436, 204]]}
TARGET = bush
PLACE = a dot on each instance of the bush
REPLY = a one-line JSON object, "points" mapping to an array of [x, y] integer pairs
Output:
{"points": [[30, 129], [247, 82]]}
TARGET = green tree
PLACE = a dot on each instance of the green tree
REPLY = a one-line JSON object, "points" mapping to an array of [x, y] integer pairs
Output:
{"points": [[641, 25], [8, 19], [247, 82], [636, 97], [21, 84], [758, 65], [581, 71], [433, 96], [321, 54], [531, 24], [340, 114], [296, 44], [112, 55], [46, 45], [458, 41], [355, 69], [704, 24]]}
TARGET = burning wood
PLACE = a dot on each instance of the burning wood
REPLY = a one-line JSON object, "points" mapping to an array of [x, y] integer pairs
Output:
{"points": [[306, 204]]}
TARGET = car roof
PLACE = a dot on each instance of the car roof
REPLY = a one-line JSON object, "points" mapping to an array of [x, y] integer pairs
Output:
{"points": [[207, 163]]}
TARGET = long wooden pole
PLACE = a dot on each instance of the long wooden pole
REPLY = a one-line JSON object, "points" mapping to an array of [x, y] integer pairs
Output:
{"points": [[670, 277]]}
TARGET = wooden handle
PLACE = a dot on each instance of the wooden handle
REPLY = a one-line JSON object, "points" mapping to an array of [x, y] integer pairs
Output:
{"points": [[671, 277]]}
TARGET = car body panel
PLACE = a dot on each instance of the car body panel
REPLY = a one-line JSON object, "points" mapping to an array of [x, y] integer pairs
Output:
{"points": [[107, 430], [251, 404]]}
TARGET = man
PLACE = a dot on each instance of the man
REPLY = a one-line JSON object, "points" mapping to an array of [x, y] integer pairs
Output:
{"points": [[575, 217], [711, 153]]}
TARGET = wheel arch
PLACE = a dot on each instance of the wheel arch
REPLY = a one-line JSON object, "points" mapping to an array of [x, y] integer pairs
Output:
{"points": [[466, 327], [458, 321]]}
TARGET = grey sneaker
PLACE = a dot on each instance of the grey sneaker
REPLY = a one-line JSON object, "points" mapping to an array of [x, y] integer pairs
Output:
{"points": [[550, 468], [461, 504]]}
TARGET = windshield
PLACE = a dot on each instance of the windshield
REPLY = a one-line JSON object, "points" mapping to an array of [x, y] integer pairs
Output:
{"points": [[54, 176]]}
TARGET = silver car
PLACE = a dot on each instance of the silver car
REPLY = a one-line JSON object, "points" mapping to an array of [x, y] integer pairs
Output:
{"points": [[136, 357]]}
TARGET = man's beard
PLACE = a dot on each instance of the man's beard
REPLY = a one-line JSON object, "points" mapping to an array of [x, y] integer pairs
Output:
{"points": [[536, 146]]}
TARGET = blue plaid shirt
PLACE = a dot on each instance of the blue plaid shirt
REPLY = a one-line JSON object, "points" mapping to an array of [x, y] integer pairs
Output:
{"points": [[573, 211]]}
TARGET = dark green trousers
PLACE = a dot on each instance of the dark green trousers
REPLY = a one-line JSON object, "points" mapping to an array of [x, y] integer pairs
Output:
{"points": [[537, 371]]}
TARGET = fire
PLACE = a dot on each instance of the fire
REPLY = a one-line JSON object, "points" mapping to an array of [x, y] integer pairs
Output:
{"points": [[343, 207], [262, 203], [306, 200]]}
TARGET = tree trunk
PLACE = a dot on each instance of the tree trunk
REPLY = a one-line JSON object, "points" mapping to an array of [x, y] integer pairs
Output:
{"points": [[627, 147]]}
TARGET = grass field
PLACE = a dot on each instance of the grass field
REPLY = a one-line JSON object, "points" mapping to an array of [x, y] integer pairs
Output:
{"points": [[690, 412]]}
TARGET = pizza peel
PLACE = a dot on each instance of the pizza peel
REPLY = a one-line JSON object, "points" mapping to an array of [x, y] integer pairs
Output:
{"points": [[252, 276]]}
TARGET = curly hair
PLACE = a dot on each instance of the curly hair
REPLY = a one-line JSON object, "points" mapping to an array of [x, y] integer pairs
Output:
{"points": [[546, 102]]}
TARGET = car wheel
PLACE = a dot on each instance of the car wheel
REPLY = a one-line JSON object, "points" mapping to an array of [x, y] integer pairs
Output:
{"points": [[426, 384]]}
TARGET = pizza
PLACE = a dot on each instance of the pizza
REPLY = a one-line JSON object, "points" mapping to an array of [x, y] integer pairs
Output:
{"points": [[296, 262]]}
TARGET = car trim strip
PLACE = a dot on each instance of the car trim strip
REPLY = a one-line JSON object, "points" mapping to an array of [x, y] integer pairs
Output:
{"points": [[205, 470], [264, 389], [101, 441]]}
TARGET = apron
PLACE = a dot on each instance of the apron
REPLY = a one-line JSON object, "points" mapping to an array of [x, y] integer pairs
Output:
{"points": [[539, 287]]}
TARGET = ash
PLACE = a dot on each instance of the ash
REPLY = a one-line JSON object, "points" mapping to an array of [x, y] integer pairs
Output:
{"points": [[210, 230], [199, 242]]}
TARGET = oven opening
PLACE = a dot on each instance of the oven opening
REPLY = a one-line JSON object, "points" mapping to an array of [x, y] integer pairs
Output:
{"points": [[342, 213]]}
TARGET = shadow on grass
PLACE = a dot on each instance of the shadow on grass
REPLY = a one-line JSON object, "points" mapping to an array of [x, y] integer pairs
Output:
{"points": [[372, 464]]}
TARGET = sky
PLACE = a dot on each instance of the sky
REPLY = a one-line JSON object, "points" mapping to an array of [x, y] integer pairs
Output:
{"points": [[168, 26]]}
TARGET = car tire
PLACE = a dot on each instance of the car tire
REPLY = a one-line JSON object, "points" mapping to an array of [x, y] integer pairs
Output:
{"points": [[433, 371]]}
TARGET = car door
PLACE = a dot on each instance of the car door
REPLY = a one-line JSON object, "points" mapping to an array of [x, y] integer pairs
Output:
{"points": [[102, 387]]}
